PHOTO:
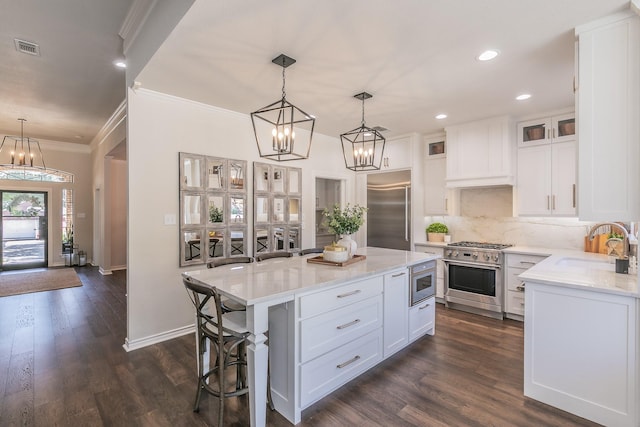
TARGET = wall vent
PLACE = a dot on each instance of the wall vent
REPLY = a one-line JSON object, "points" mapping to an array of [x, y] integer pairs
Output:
{"points": [[27, 47], [380, 128]]}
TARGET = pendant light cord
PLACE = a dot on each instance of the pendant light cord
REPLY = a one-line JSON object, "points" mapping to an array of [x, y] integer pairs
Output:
{"points": [[363, 123], [283, 68]]}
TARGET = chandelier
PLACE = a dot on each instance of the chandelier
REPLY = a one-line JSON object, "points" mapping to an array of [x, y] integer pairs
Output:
{"points": [[282, 130], [26, 162], [362, 147]]}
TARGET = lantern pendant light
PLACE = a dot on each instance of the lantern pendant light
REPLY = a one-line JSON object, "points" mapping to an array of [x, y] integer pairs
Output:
{"points": [[362, 147], [283, 131]]}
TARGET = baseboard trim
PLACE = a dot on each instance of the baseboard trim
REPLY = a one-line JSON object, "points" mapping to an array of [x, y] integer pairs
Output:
{"points": [[105, 272], [118, 267], [155, 339]]}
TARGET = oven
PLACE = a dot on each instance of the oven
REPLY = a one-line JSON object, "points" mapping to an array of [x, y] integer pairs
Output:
{"points": [[474, 278], [423, 281]]}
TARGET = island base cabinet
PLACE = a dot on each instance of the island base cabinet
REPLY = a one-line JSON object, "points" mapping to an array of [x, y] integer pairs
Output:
{"points": [[581, 352], [422, 319], [328, 372]]}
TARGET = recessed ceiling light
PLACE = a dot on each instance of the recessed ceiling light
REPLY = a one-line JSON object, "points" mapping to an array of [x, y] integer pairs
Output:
{"points": [[120, 64], [488, 55], [441, 116], [523, 96]]}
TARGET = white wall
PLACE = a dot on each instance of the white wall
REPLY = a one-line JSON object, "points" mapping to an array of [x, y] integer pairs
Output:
{"points": [[159, 127], [118, 208]]}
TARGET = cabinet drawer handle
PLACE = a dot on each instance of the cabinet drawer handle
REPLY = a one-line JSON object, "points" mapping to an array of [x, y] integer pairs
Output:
{"points": [[528, 262], [574, 195], [548, 204], [522, 304], [348, 362], [553, 202], [424, 306], [348, 294], [521, 287], [346, 325], [402, 274]]}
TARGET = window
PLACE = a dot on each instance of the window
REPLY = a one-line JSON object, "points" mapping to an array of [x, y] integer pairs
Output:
{"points": [[67, 220]]}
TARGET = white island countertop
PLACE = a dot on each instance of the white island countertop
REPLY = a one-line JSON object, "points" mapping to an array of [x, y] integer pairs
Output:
{"points": [[279, 278], [582, 270]]}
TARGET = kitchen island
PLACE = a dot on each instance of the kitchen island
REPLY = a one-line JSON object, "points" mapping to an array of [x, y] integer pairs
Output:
{"points": [[582, 338], [326, 324]]}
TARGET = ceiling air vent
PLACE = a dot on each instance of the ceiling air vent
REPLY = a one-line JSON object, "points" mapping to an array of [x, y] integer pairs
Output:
{"points": [[27, 47], [380, 128]]}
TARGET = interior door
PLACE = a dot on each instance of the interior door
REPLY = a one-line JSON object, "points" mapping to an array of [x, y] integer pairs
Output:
{"points": [[24, 229]]}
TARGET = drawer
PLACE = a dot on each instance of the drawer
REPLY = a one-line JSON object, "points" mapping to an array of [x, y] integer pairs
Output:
{"points": [[523, 261], [422, 319], [515, 302], [321, 376], [340, 296], [327, 331], [513, 281]]}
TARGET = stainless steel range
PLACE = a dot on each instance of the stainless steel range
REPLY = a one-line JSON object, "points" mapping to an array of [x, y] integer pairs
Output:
{"points": [[474, 277]]}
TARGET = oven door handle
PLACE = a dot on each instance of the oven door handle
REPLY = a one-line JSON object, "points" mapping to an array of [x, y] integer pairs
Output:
{"points": [[472, 264]]}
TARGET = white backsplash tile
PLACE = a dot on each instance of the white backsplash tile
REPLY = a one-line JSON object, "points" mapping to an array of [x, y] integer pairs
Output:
{"points": [[562, 233]]}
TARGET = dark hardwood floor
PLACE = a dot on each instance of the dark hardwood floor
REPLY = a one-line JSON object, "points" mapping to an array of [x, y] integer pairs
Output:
{"points": [[62, 364]]}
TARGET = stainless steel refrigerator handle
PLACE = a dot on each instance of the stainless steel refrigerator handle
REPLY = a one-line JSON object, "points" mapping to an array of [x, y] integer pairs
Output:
{"points": [[406, 213]]}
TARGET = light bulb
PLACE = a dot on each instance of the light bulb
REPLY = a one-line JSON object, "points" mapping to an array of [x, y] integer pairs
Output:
{"points": [[280, 135], [274, 132], [360, 151], [355, 152], [286, 131]]}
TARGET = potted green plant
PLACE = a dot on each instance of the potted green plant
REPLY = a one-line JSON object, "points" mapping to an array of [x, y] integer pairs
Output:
{"points": [[345, 222], [436, 232]]}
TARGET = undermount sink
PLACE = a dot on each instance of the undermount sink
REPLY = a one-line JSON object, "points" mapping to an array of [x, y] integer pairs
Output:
{"points": [[597, 264]]}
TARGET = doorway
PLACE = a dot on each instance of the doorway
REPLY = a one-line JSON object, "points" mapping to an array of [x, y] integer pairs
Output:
{"points": [[24, 230]]}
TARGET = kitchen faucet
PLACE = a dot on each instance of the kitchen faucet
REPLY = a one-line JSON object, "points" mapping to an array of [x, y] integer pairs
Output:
{"points": [[625, 242]]}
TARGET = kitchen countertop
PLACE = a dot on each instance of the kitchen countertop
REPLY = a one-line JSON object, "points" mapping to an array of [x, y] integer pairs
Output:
{"points": [[580, 270], [284, 277], [438, 244]]}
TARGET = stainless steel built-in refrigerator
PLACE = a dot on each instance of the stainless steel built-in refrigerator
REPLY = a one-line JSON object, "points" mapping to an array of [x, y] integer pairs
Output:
{"points": [[389, 214]]}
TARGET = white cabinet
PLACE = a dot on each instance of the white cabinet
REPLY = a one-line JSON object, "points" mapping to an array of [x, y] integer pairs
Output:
{"points": [[340, 336], [422, 319], [581, 352], [435, 250], [514, 297], [481, 153], [434, 168], [608, 112], [396, 311], [397, 153], [547, 129], [547, 179]]}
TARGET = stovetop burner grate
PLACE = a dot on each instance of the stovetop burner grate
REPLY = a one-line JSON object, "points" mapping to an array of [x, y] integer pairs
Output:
{"points": [[480, 245]]}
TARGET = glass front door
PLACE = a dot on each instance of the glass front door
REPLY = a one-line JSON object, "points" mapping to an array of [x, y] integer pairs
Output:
{"points": [[24, 229]]}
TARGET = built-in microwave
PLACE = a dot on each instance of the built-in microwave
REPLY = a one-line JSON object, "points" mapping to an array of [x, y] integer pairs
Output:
{"points": [[423, 281]]}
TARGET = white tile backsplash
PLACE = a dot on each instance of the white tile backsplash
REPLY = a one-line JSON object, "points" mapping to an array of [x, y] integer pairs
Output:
{"points": [[486, 216]]}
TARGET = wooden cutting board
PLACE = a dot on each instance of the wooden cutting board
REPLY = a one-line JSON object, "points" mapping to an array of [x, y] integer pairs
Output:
{"points": [[597, 245]]}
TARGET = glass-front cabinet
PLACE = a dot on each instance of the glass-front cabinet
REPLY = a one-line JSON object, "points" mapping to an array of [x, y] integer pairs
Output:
{"points": [[547, 130], [213, 199]]}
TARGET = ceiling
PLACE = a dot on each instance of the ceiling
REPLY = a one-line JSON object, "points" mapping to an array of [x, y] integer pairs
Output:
{"points": [[70, 90], [416, 57]]}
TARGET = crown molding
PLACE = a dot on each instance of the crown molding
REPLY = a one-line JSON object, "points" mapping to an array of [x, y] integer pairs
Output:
{"points": [[134, 21]]}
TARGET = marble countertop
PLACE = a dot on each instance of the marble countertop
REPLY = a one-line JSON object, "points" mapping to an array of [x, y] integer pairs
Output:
{"points": [[279, 279], [438, 244], [581, 270]]}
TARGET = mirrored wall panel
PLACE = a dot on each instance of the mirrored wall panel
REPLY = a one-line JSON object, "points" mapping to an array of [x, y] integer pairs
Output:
{"points": [[277, 195], [213, 200]]}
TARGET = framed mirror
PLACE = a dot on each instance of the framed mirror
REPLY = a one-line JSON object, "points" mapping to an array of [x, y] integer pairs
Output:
{"points": [[294, 210], [215, 174], [278, 209], [212, 194], [191, 209], [216, 208], [261, 240], [295, 182], [190, 249], [236, 175], [279, 179], [191, 171], [277, 194], [237, 202]]}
